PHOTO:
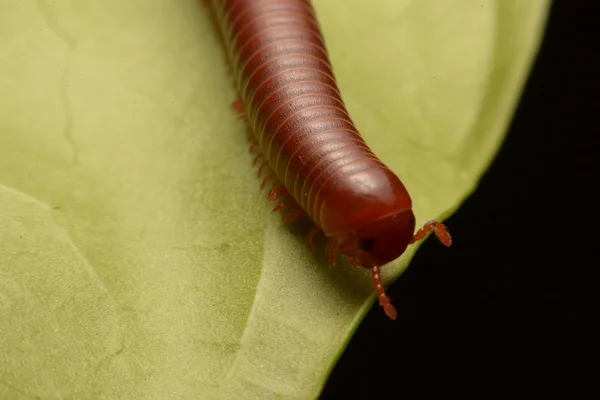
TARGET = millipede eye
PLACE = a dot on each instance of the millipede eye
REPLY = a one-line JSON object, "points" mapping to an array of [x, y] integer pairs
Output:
{"points": [[368, 244]]}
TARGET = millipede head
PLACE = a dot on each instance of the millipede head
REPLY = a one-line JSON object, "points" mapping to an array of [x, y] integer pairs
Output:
{"points": [[378, 242]]}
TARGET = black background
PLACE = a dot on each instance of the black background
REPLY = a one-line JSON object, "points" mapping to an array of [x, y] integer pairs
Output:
{"points": [[510, 307]]}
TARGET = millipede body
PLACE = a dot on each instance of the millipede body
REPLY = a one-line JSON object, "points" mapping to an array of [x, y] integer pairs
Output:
{"points": [[309, 151]]}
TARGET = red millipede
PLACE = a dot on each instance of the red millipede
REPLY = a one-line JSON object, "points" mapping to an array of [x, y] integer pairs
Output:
{"points": [[321, 168]]}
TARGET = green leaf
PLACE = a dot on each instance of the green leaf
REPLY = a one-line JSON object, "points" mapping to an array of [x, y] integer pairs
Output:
{"points": [[138, 257]]}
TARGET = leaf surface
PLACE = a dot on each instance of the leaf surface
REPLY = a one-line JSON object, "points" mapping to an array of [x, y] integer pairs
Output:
{"points": [[138, 258]]}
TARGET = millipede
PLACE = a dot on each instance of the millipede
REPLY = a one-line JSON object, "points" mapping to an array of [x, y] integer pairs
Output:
{"points": [[309, 153]]}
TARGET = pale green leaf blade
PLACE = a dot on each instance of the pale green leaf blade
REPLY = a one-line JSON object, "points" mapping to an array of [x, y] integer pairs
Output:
{"points": [[138, 258]]}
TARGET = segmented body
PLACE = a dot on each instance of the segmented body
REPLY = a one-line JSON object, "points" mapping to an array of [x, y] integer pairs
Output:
{"points": [[292, 101], [321, 164]]}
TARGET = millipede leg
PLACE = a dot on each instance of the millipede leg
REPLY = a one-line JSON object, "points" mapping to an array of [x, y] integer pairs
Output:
{"points": [[330, 251], [310, 238], [238, 106], [355, 262], [384, 300], [257, 159], [293, 215], [277, 191], [433, 226], [285, 204], [261, 169], [265, 181]]}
